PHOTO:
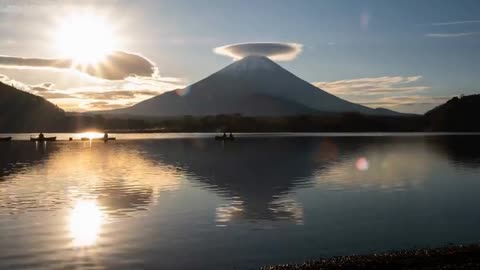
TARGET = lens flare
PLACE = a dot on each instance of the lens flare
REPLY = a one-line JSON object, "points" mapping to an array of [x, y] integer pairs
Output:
{"points": [[362, 164], [183, 92]]}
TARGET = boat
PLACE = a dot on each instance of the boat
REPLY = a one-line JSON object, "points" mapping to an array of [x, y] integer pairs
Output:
{"points": [[222, 138], [5, 139], [98, 139], [46, 139]]}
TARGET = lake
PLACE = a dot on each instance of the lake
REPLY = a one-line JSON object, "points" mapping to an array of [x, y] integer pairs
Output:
{"points": [[185, 201]]}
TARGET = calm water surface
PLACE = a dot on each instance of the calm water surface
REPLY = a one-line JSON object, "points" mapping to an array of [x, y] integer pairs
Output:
{"points": [[189, 202]]}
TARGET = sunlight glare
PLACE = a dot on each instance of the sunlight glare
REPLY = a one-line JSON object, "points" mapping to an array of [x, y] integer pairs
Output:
{"points": [[86, 38], [86, 220], [91, 135]]}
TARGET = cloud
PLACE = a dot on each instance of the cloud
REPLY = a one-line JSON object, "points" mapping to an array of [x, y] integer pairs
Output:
{"points": [[455, 22], [19, 85], [400, 93], [116, 95], [72, 90], [373, 86], [277, 51], [43, 87], [408, 104], [448, 35], [44, 90], [103, 105], [406, 100], [118, 65], [54, 95]]}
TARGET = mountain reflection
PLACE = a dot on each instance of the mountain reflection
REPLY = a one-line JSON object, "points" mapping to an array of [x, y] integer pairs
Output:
{"points": [[257, 175], [461, 151]]}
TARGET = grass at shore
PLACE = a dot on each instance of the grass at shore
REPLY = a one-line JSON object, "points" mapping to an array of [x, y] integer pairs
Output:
{"points": [[451, 257]]}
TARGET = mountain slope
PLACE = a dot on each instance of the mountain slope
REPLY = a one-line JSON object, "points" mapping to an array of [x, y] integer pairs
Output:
{"points": [[457, 114], [254, 86], [23, 112]]}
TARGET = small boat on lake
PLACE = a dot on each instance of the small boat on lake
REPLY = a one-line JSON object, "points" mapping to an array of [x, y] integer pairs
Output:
{"points": [[225, 137], [5, 139], [221, 138], [99, 139], [45, 139]]}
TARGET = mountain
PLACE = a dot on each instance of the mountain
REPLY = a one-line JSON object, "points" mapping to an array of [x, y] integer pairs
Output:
{"points": [[23, 112], [253, 86], [457, 114]]}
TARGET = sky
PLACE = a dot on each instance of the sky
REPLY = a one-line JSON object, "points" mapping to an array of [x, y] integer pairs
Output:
{"points": [[406, 55]]}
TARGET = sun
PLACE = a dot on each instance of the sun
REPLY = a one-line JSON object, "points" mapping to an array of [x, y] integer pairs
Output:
{"points": [[85, 38]]}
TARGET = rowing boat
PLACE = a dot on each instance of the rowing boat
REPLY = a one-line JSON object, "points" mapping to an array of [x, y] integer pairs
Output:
{"points": [[98, 139], [46, 139]]}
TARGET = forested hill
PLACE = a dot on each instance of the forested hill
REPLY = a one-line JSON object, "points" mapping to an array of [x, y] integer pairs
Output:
{"points": [[24, 112], [457, 114]]}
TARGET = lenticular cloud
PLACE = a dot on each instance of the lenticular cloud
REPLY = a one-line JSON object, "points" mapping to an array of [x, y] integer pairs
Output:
{"points": [[277, 51]]}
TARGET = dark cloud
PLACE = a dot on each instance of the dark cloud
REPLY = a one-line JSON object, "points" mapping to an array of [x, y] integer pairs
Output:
{"points": [[42, 87], [118, 94], [116, 66], [47, 85], [275, 50]]}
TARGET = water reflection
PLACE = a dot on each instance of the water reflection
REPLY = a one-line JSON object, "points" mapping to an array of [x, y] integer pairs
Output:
{"points": [[85, 223], [118, 178], [392, 164], [155, 203], [19, 156], [283, 208], [461, 151], [257, 177]]}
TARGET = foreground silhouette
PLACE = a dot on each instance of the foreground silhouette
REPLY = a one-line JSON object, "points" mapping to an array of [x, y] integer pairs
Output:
{"points": [[41, 138], [5, 139]]}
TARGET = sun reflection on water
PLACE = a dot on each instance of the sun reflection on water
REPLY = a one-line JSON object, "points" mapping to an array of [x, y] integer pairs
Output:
{"points": [[85, 223], [90, 135]]}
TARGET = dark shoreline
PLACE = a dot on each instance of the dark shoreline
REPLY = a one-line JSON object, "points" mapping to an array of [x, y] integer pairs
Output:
{"points": [[449, 257]]}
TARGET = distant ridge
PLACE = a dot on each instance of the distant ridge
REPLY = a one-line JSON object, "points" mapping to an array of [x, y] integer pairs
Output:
{"points": [[24, 112], [253, 86]]}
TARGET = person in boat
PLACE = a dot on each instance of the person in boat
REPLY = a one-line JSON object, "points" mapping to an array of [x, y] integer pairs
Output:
{"points": [[105, 136], [224, 135], [41, 136], [230, 136]]}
